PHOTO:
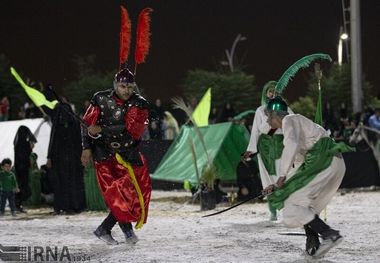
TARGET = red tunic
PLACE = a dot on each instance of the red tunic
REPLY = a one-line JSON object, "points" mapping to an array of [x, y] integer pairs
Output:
{"points": [[114, 179]]}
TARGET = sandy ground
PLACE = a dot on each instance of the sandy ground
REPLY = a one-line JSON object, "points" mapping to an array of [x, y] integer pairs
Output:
{"points": [[175, 232]]}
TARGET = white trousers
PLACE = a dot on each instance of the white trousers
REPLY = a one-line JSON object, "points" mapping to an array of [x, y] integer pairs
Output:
{"points": [[267, 179], [301, 207]]}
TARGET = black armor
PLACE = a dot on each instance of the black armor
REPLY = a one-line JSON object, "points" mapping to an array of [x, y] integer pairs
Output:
{"points": [[114, 136]]}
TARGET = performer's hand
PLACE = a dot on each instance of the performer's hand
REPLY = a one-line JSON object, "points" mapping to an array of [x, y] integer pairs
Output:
{"points": [[281, 180], [86, 157], [247, 156], [269, 189], [244, 191], [94, 129]]}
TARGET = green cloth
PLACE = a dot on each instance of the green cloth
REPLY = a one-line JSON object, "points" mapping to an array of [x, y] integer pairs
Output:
{"points": [[34, 181], [317, 159], [318, 113], [270, 149], [94, 198], [8, 181], [35, 187]]}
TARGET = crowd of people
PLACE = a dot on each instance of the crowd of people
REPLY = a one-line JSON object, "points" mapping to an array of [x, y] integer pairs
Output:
{"points": [[164, 122]]}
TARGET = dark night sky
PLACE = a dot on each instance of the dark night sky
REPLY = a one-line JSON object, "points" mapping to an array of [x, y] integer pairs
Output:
{"points": [[40, 37]]}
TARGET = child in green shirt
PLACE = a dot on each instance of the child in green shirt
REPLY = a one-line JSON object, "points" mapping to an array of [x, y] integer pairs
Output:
{"points": [[8, 187]]}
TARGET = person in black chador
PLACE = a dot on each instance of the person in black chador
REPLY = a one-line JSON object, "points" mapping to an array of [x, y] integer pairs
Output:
{"points": [[23, 145], [248, 179], [227, 113], [64, 159]]}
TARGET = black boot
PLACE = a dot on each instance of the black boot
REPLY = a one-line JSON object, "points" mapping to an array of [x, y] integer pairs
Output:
{"points": [[103, 232], [130, 236], [330, 237], [312, 241], [105, 235]]}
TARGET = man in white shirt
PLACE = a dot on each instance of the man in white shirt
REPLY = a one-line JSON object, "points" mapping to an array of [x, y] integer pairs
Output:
{"points": [[305, 190]]}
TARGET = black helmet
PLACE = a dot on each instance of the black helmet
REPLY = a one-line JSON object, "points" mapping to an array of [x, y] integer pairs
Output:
{"points": [[125, 76]]}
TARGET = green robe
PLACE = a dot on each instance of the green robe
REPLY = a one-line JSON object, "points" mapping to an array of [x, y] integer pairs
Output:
{"points": [[317, 159], [270, 149], [34, 181]]}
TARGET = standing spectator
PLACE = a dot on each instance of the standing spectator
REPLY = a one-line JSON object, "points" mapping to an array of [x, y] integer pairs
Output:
{"points": [[329, 118], [34, 181], [156, 117], [228, 112], [155, 131], [170, 124], [343, 111], [32, 111], [213, 115], [158, 111], [23, 144], [248, 179], [4, 109], [368, 111], [374, 120], [72, 106], [8, 187], [193, 103], [64, 160], [21, 114]]}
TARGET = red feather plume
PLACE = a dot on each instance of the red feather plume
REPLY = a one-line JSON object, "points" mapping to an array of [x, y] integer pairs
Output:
{"points": [[143, 36], [125, 36]]}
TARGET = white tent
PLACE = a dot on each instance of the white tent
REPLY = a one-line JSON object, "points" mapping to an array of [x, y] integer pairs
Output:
{"points": [[8, 130]]}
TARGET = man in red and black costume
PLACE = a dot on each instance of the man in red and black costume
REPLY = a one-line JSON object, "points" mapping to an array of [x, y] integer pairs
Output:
{"points": [[116, 120]]}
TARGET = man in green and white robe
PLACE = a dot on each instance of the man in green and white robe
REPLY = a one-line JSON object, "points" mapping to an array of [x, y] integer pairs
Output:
{"points": [[267, 143], [305, 188]]}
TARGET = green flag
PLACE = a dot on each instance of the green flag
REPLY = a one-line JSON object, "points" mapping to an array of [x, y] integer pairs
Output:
{"points": [[37, 97], [202, 111], [318, 113]]}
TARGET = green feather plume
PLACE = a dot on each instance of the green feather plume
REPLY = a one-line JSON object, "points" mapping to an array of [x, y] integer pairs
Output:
{"points": [[293, 69]]}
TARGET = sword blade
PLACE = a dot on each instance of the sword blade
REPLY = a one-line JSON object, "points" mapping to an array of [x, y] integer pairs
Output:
{"points": [[242, 202]]}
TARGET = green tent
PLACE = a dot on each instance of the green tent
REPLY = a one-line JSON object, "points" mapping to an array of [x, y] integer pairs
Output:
{"points": [[224, 142]]}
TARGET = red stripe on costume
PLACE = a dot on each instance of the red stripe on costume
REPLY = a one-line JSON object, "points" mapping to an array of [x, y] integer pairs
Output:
{"points": [[92, 114], [136, 120]]}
